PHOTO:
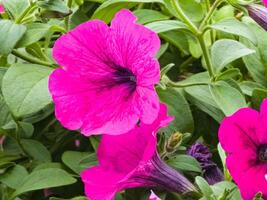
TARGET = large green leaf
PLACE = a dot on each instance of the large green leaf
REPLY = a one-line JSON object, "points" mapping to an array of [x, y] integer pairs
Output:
{"points": [[224, 51], [166, 25], [15, 7], [44, 178], [235, 27], [25, 88], [78, 161], [14, 176], [179, 108], [107, 10], [228, 98], [147, 16], [34, 33], [10, 33], [36, 150]]}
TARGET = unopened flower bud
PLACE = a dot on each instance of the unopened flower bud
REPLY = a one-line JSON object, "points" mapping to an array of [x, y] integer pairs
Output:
{"points": [[259, 14], [174, 141]]}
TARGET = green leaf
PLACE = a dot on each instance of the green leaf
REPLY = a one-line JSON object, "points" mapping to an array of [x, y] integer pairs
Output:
{"points": [[45, 178], [13, 177], [5, 116], [183, 121], [78, 161], [224, 51], [108, 9], [204, 186], [145, 16], [166, 25], [258, 95], [25, 88], [54, 5], [221, 187], [34, 33], [228, 98], [36, 150], [10, 33], [15, 7], [185, 163], [248, 87], [235, 27]]}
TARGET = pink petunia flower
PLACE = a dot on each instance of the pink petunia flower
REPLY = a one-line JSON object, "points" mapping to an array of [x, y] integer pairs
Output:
{"points": [[106, 83], [244, 137], [2, 9], [131, 160], [153, 196], [264, 2]]}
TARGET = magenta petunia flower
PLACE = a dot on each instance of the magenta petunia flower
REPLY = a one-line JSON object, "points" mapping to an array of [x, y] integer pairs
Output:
{"points": [[2, 9], [244, 137], [131, 160], [264, 2], [106, 83]]}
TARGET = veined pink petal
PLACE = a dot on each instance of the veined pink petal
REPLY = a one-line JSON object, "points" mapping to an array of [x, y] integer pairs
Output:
{"points": [[131, 160], [107, 78]]}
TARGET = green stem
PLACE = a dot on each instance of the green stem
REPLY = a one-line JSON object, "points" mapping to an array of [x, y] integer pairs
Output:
{"points": [[179, 85], [206, 55], [25, 13], [67, 18], [210, 13], [184, 18], [30, 59]]}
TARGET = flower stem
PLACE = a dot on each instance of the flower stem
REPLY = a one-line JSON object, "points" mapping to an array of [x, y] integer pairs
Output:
{"points": [[184, 18], [30, 59], [206, 56], [168, 82], [67, 18], [210, 13]]}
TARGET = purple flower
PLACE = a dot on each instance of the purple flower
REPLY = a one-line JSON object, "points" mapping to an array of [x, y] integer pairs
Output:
{"points": [[203, 155], [130, 160], [259, 14]]}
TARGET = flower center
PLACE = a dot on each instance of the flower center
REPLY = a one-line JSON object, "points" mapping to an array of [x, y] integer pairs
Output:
{"points": [[262, 152], [125, 76]]}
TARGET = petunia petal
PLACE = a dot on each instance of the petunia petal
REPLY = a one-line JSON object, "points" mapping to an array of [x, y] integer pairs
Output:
{"points": [[239, 163], [134, 45], [254, 181], [148, 102], [81, 50], [240, 131]]}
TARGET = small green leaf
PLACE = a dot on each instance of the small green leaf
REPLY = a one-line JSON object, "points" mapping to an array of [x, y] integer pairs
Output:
{"points": [[183, 121], [107, 9], [228, 98], [204, 186], [15, 7], [54, 5], [235, 27], [78, 161], [147, 16], [224, 51], [36, 149], [166, 25], [13, 177], [10, 33], [25, 88], [34, 33], [185, 163]]}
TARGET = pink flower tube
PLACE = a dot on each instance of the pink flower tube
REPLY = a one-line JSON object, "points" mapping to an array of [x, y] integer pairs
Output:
{"points": [[153, 196], [2, 9], [244, 137], [106, 83], [131, 160]]}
